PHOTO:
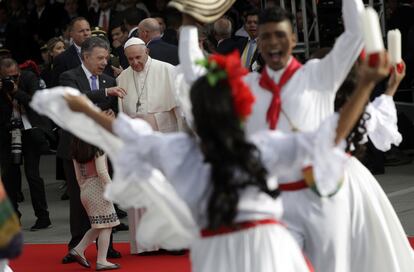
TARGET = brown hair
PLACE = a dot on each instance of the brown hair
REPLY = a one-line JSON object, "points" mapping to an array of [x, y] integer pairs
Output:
{"points": [[83, 152]]}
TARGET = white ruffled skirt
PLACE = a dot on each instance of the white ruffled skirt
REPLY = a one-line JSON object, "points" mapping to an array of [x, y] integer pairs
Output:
{"points": [[379, 242], [265, 248]]}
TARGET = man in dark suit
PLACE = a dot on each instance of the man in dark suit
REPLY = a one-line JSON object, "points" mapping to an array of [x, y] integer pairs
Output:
{"points": [[246, 46], [42, 20], [79, 31], [119, 35], [150, 32], [22, 127], [104, 17], [132, 17], [101, 89]]}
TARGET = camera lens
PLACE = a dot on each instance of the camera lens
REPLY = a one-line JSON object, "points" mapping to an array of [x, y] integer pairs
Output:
{"points": [[7, 84]]}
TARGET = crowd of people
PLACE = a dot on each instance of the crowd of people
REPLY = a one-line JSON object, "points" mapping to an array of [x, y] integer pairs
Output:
{"points": [[200, 133]]}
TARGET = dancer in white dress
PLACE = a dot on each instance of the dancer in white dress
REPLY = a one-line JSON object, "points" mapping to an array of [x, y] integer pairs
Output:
{"points": [[220, 175], [306, 97]]}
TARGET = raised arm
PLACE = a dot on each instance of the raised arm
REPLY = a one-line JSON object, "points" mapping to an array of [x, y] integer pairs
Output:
{"points": [[352, 110], [328, 73], [189, 50], [382, 126], [79, 103]]}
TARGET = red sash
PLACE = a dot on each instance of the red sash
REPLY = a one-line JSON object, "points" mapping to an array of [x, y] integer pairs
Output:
{"points": [[267, 83], [238, 227]]}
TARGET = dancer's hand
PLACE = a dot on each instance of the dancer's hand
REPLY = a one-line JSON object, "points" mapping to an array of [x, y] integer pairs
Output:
{"points": [[395, 79], [77, 103], [371, 75]]}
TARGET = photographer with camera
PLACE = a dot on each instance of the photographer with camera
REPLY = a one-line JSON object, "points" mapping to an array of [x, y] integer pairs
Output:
{"points": [[23, 138]]}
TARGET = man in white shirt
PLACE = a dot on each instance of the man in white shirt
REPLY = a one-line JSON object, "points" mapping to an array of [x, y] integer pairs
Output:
{"points": [[305, 95]]}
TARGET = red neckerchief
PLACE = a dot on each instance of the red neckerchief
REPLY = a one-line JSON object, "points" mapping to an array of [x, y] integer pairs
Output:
{"points": [[267, 83]]}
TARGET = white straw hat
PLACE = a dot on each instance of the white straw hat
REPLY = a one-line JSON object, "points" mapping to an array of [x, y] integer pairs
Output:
{"points": [[205, 11]]}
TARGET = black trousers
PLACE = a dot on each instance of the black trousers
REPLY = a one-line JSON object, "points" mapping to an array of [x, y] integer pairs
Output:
{"points": [[78, 218], [11, 175]]}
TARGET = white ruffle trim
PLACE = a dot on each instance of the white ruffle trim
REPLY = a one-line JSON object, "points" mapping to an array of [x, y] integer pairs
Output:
{"points": [[382, 126], [167, 221]]}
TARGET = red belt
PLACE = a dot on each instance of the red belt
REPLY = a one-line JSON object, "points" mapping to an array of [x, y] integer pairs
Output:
{"points": [[293, 186], [237, 227]]}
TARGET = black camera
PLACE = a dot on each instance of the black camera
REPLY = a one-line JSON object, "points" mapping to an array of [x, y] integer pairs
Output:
{"points": [[16, 140], [7, 84]]}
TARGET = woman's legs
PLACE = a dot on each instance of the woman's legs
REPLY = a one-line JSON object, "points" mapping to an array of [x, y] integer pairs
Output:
{"points": [[87, 239], [103, 244]]}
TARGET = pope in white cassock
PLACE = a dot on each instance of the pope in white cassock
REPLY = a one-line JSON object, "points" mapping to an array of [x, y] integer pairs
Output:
{"points": [[150, 96], [355, 229]]}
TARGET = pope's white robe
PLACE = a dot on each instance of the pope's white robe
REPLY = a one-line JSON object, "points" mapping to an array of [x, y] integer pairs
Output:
{"points": [[153, 89], [337, 232]]}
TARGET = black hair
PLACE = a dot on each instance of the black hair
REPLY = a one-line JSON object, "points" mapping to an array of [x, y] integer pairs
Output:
{"points": [[83, 152], [132, 16], [235, 163], [250, 12], [275, 15], [356, 135]]}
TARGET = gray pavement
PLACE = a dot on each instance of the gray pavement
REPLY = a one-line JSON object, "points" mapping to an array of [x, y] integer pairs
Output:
{"points": [[398, 183]]}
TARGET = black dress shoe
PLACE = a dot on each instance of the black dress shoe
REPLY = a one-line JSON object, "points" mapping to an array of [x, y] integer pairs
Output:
{"points": [[41, 224], [113, 254], [68, 259], [79, 259], [121, 227], [121, 214]]}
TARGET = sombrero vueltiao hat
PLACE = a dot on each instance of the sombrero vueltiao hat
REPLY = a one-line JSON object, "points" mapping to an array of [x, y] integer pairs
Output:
{"points": [[206, 11]]}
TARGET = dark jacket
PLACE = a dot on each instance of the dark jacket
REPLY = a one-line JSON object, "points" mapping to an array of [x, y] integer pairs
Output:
{"points": [[28, 85], [236, 43], [76, 78], [93, 18], [160, 50], [67, 60]]}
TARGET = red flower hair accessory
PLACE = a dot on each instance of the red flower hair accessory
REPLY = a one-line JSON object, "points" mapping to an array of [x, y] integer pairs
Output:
{"points": [[229, 67]]}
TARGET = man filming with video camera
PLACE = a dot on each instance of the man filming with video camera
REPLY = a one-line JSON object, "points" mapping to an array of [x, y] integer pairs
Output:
{"points": [[23, 138]]}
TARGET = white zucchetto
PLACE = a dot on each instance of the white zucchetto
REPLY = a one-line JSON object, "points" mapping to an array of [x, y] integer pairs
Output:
{"points": [[133, 41]]}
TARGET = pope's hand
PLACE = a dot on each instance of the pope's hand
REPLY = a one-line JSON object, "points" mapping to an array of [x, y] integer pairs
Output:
{"points": [[116, 91], [77, 103]]}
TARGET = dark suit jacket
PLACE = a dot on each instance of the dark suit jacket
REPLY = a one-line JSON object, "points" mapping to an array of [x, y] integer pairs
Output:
{"points": [[67, 60], [93, 18], [229, 45], [45, 25], [160, 50], [170, 36], [28, 85], [119, 52], [76, 78]]}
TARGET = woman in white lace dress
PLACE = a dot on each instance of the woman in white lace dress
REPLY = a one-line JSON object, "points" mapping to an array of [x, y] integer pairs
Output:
{"points": [[91, 168]]}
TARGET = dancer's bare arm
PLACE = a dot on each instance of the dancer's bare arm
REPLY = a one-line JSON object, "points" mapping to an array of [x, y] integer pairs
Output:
{"points": [[352, 110], [80, 103]]}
